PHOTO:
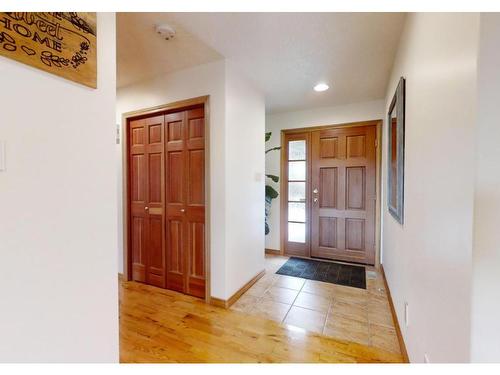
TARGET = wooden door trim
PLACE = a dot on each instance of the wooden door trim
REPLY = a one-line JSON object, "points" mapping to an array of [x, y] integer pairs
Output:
{"points": [[378, 170], [146, 112]]}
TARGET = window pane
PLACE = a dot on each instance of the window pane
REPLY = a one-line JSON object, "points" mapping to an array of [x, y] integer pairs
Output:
{"points": [[297, 150], [296, 170], [296, 191], [297, 212], [296, 232]]}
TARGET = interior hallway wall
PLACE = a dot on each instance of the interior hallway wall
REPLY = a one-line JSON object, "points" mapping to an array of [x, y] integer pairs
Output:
{"points": [[58, 273], [208, 79], [485, 346], [236, 164], [275, 123], [427, 260], [245, 165]]}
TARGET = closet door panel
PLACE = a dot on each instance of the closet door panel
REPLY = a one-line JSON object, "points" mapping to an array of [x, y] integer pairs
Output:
{"points": [[175, 187]]}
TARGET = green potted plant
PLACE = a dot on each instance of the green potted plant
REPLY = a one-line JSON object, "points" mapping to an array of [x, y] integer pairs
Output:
{"points": [[271, 192]]}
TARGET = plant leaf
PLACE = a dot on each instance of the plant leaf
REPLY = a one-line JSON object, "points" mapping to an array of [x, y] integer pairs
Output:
{"points": [[268, 136], [271, 192], [273, 177], [274, 148]]}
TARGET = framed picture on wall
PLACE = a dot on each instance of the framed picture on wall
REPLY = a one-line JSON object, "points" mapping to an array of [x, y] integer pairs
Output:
{"points": [[396, 153]]}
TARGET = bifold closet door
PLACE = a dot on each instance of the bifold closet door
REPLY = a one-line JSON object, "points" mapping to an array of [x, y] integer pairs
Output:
{"points": [[147, 219], [185, 201]]}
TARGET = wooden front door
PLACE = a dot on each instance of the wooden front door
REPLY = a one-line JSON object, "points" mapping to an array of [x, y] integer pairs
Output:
{"points": [[330, 193], [167, 200], [343, 194]]}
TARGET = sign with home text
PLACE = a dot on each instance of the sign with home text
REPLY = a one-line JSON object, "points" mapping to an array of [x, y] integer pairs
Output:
{"points": [[61, 43]]}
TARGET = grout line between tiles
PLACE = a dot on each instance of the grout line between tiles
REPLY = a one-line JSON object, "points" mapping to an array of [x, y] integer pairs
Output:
{"points": [[295, 299]]}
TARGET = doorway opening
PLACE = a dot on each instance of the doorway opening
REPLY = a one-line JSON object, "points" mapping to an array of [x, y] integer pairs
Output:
{"points": [[167, 202], [330, 192]]}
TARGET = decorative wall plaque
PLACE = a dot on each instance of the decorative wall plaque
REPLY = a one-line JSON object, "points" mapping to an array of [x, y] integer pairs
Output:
{"points": [[61, 43]]}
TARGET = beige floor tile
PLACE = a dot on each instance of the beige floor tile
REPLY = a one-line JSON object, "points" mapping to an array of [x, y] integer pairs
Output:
{"points": [[347, 329], [267, 280], [349, 291], [350, 311], [378, 300], [350, 296], [319, 288], [289, 282], [384, 338], [270, 310], [313, 302], [245, 303], [380, 317], [375, 287], [304, 318], [257, 290], [282, 295]]}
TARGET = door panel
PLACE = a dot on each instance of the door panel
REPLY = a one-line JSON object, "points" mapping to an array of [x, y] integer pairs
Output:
{"points": [[343, 199], [154, 204], [174, 172], [138, 217], [194, 218], [146, 200], [185, 185]]}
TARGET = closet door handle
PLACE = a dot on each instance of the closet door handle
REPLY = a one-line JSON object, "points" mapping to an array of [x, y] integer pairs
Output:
{"points": [[183, 210]]}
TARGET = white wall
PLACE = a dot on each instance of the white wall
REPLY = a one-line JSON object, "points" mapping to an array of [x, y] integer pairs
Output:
{"points": [[236, 155], [208, 79], [373, 110], [58, 284], [245, 165], [485, 344], [427, 261]]}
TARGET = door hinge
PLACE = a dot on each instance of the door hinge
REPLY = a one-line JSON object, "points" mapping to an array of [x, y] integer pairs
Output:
{"points": [[376, 143]]}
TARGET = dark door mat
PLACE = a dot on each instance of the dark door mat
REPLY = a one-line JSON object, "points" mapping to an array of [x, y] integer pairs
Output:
{"points": [[329, 272]]}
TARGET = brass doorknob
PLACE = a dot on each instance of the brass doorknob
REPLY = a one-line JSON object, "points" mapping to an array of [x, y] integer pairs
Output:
{"points": [[183, 210], [315, 191], [146, 208]]}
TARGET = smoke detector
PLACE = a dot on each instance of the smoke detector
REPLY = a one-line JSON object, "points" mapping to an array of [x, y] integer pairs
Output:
{"points": [[167, 32]]}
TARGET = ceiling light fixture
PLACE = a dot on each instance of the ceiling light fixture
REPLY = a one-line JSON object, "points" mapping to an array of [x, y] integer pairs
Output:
{"points": [[167, 32], [321, 87]]}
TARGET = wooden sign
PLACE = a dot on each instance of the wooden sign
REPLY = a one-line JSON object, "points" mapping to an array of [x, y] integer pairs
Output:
{"points": [[61, 43]]}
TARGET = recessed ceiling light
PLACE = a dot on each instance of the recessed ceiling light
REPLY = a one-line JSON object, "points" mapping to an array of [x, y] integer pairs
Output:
{"points": [[321, 87]]}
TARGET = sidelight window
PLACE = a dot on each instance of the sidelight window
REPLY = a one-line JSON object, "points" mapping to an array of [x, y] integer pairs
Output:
{"points": [[297, 171]]}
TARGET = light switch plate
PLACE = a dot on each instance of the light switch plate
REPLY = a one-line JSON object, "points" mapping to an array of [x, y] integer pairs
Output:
{"points": [[2, 155]]}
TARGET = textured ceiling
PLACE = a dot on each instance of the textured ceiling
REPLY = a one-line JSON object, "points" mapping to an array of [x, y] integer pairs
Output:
{"points": [[284, 54], [143, 54]]}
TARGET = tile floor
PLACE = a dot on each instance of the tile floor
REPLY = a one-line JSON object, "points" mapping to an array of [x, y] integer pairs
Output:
{"points": [[359, 315]]}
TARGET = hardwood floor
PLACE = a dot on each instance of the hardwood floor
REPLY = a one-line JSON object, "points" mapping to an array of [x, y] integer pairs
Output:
{"points": [[158, 325]]}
